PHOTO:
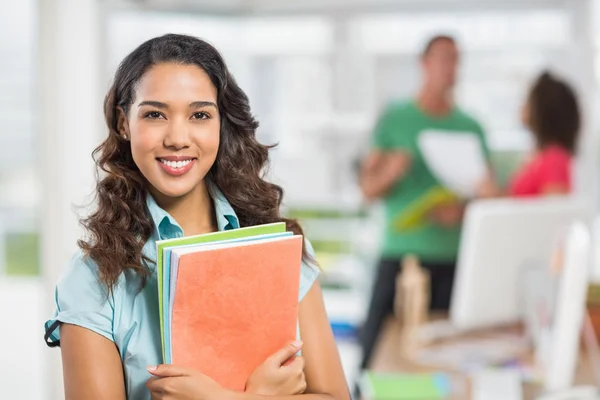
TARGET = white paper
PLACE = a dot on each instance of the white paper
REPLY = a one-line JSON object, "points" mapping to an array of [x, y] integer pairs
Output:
{"points": [[455, 158], [497, 384], [469, 355]]}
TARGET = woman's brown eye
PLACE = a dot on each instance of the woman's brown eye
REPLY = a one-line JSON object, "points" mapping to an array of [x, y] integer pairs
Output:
{"points": [[153, 115], [201, 115]]}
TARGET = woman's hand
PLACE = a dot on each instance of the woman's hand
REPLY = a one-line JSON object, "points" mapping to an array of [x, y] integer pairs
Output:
{"points": [[487, 189], [280, 375], [171, 382]]}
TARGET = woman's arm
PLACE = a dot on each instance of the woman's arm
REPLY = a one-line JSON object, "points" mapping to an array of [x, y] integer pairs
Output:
{"points": [[92, 366], [323, 369]]}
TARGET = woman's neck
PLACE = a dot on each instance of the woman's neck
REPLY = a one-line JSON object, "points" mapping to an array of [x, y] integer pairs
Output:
{"points": [[194, 212]]}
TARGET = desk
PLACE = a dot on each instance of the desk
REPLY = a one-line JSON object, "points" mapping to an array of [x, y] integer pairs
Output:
{"points": [[388, 357]]}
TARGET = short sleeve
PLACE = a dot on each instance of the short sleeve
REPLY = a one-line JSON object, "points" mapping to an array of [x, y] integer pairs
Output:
{"points": [[484, 143], [80, 300], [555, 169], [309, 271], [384, 130]]}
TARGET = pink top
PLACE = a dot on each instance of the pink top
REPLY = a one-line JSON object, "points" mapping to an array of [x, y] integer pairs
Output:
{"points": [[550, 167]]}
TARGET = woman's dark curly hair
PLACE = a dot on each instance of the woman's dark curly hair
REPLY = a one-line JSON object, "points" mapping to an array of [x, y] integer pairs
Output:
{"points": [[554, 115], [121, 224]]}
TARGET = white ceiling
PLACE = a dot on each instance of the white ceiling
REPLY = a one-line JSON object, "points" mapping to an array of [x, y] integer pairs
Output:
{"points": [[341, 7]]}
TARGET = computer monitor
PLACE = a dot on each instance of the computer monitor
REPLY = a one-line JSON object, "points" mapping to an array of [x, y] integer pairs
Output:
{"points": [[564, 332], [500, 239]]}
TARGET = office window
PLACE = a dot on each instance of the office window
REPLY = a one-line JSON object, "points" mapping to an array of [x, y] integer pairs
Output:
{"points": [[595, 32], [501, 52], [282, 63], [18, 161]]}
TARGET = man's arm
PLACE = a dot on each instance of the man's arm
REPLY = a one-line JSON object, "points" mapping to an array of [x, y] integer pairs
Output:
{"points": [[381, 171]]}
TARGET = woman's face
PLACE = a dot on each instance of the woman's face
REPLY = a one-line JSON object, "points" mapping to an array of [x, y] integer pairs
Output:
{"points": [[525, 114], [173, 126]]}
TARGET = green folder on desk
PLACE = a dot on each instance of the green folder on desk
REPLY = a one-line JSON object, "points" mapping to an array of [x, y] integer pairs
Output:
{"points": [[394, 386]]}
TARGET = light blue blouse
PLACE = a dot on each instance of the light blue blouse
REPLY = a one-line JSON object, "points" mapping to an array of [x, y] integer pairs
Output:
{"points": [[129, 317]]}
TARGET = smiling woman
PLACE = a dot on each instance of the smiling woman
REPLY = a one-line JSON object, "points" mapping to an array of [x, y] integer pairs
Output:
{"points": [[181, 158], [174, 131]]}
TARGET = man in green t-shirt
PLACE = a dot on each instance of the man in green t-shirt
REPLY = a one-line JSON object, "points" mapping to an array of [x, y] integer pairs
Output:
{"points": [[395, 171]]}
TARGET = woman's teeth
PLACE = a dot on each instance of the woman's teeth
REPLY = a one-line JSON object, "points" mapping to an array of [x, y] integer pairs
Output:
{"points": [[176, 164]]}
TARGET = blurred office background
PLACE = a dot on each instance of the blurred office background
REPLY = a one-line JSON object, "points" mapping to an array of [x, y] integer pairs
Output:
{"points": [[317, 73]]}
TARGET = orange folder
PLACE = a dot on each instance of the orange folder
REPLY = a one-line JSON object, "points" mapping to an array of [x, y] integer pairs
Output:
{"points": [[234, 306]]}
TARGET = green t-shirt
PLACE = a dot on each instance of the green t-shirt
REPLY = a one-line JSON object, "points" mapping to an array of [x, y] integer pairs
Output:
{"points": [[399, 128]]}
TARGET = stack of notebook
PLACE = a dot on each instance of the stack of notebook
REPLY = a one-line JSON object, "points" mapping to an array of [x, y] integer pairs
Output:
{"points": [[229, 299]]}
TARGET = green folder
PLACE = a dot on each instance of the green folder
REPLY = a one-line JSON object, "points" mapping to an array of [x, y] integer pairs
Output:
{"points": [[277, 227], [393, 386]]}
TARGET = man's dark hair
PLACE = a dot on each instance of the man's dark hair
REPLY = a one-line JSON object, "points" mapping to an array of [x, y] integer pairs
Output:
{"points": [[436, 39]]}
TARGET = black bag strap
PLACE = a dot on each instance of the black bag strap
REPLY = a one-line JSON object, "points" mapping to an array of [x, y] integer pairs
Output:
{"points": [[49, 332]]}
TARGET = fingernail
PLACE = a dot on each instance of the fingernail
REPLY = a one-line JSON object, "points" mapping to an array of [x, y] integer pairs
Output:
{"points": [[152, 367], [297, 344]]}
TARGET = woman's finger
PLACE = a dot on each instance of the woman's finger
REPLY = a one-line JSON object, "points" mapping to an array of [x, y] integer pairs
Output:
{"points": [[151, 383], [286, 353], [170, 370], [297, 364], [301, 385], [165, 386]]}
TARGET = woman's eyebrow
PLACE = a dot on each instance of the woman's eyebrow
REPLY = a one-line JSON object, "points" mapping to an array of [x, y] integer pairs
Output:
{"points": [[201, 104], [164, 106], [157, 104]]}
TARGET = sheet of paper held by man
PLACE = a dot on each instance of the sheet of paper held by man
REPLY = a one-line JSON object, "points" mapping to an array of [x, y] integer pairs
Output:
{"points": [[455, 158]]}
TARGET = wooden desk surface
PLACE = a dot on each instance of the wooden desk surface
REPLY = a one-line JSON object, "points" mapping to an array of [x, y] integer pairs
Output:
{"points": [[388, 357]]}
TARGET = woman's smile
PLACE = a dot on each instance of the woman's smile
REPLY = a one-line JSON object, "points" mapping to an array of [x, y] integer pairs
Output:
{"points": [[176, 165]]}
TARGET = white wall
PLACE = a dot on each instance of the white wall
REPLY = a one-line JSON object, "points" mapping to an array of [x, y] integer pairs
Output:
{"points": [[70, 65]]}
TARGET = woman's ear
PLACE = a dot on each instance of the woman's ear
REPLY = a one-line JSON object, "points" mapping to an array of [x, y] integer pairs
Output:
{"points": [[122, 124]]}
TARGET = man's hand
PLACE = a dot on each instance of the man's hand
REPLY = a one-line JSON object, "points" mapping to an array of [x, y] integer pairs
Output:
{"points": [[396, 164], [447, 214]]}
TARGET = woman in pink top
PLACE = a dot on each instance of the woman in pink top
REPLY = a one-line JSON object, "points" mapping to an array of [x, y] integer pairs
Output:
{"points": [[552, 115]]}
